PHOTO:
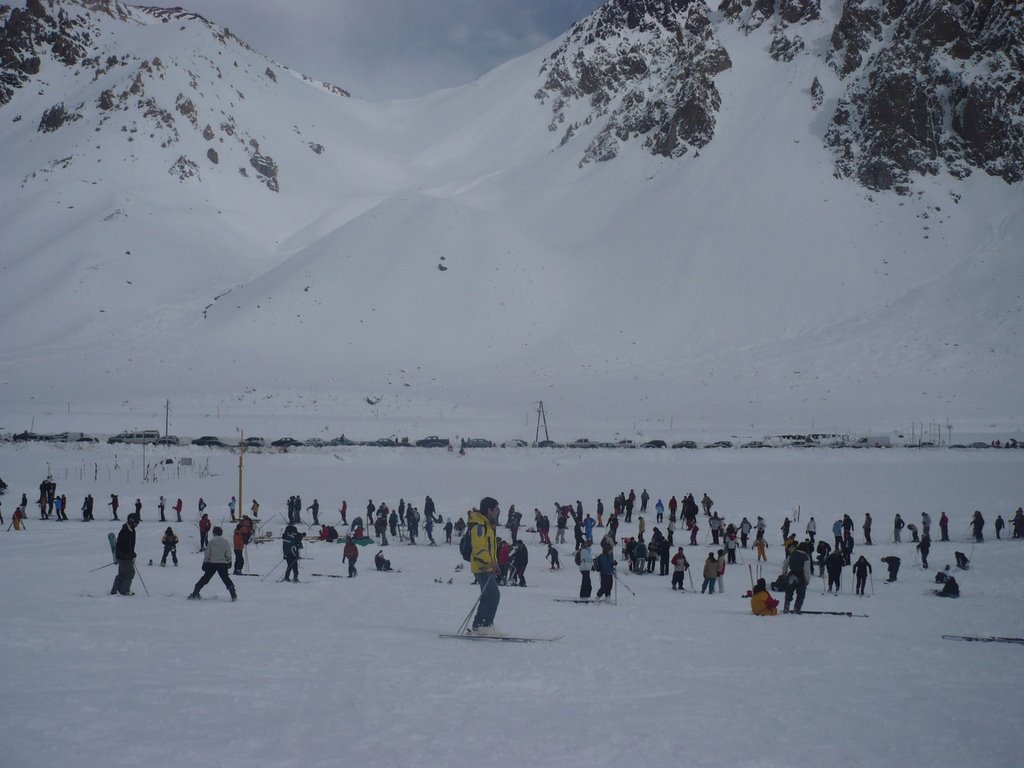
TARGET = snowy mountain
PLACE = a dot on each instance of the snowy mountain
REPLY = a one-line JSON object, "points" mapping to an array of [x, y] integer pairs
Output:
{"points": [[750, 216]]}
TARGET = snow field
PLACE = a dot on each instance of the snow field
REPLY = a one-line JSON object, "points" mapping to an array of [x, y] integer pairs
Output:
{"points": [[352, 670]]}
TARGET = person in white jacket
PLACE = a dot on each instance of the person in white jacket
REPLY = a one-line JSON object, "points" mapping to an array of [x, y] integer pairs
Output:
{"points": [[585, 560], [217, 560], [812, 529]]}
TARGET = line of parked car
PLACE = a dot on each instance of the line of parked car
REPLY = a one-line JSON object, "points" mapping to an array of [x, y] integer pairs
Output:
{"points": [[153, 437]]}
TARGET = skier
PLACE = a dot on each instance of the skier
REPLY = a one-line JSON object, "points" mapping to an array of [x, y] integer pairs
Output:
{"points": [[217, 560], [893, 564], [999, 526], [350, 553], [926, 524], [344, 512], [785, 528], [239, 545], [837, 533], [659, 511], [834, 565], [315, 509], [162, 506], [291, 543], [847, 546], [745, 528], [812, 528], [679, 567], [943, 527], [861, 569], [585, 561], [87, 505], [605, 566], [178, 506], [949, 588], [113, 504], [761, 601], [138, 509], [255, 509], [124, 554], [231, 508], [823, 550], [204, 531], [760, 545], [716, 527], [552, 555], [484, 563], [428, 527], [644, 498], [798, 565], [170, 542], [978, 523], [17, 518], [520, 559], [897, 527], [380, 562], [961, 561], [913, 533], [710, 574], [867, 528], [707, 503], [924, 546], [448, 531]]}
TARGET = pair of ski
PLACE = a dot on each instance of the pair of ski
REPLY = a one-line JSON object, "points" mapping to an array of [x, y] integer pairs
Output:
{"points": [[829, 613], [501, 638], [582, 600], [980, 639]]}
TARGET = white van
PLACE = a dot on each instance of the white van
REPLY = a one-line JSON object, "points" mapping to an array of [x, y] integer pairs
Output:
{"points": [[138, 436]]}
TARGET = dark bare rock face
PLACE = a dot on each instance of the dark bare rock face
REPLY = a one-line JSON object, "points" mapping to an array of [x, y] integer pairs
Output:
{"points": [[637, 70], [943, 90]]}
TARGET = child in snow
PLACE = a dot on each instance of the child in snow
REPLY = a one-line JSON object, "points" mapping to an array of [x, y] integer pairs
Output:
{"points": [[553, 557], [170, 542], [761, 601]]}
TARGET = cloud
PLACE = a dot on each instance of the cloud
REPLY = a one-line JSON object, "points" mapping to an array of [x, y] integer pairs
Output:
{"points": [[381, 49]]}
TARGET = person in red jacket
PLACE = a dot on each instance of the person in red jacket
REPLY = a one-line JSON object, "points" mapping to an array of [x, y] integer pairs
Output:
{"points": [[351, 554], [204, 530], [177, 509]]}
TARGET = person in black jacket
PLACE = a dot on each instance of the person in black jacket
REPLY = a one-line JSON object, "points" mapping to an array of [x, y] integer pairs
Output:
{"points": [[291, 543], [124, 554], [520, 559], [834, 565], [925, 546], [893, 564], [799, 570], [861, 569], [978, 523]]}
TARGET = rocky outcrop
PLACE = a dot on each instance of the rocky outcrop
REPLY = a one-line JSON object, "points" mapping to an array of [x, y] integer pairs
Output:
{"points": [[943, 90], [636, 70]]}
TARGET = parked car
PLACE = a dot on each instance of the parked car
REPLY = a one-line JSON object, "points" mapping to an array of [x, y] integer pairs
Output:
{"points": [[548, 444], [167, 440], [477, 442], [254, 442], [515, 443], [210, 441], [625, 444], [87, 439], [340, 441], [755, 444], [582, 442], [286, 442], [719, 444], [979, 444], [684, 444], [654, 444], [138, 436], [433, 441], [21, 437], [315, 442]]}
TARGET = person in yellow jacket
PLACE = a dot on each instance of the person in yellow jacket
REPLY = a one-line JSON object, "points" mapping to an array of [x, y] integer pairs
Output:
{"points": [[761, 601], [484, 562]]}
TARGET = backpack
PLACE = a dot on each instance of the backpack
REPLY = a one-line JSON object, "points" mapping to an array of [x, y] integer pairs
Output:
{"points": [[466, 546], [577, 557]]}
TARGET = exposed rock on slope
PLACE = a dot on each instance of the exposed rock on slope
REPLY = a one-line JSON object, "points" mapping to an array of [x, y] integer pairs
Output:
{"points": [[637, 70]]}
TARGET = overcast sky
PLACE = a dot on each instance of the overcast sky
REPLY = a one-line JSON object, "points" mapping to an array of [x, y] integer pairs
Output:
{"points": [[383, 49]]}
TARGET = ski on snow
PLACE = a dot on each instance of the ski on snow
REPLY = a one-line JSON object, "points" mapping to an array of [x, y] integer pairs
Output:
{"points": [[830, 613], [978, 639], [503, 638]]}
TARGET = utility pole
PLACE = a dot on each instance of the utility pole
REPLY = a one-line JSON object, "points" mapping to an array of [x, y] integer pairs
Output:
{"points": [[542, 419]]}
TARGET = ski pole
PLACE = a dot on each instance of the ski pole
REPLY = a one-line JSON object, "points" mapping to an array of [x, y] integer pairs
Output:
{"points": [[102, 567], [872, 579], [469, 616], [140, 578], [750, 570], [617, 580], [273, 569]]}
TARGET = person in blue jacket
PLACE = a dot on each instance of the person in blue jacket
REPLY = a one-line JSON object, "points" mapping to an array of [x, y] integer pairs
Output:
{"points": [[605, 566]]}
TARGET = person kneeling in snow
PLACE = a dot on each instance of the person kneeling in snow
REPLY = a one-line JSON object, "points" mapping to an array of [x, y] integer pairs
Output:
{"points": [[949, 589], [761, 601], [382, 563]]}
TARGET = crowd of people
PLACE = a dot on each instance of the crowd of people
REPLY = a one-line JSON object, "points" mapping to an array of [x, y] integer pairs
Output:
{"points": [[502, 560]]}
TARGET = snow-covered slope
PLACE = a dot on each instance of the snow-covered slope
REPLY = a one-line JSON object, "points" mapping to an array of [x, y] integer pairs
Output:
{"points": [[644, 220]]}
